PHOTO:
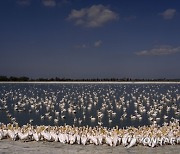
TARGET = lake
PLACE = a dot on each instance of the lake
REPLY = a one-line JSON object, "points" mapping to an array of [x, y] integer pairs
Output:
{"points": [[92, 104]]}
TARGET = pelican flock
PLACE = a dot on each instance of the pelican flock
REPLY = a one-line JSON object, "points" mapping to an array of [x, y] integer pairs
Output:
{"points": [[151, 136], [112, 114]]}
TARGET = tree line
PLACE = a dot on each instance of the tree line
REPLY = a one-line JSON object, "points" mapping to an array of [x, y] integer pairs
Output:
{"points": [[24, 78]]}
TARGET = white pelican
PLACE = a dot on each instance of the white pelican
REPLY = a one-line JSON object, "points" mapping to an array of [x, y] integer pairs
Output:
{"points": [[54, 135], [109, 141], [78, 138], [1, 135], [72, 138], [36, 136], [132, 142], [84, 139], [23, 136], [47, 136], [100, 139], [12, 134], [61, 138], [125, 140]]}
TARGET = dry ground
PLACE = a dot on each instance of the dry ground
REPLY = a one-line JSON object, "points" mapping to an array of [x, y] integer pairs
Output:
{"points": [[19, 147]]}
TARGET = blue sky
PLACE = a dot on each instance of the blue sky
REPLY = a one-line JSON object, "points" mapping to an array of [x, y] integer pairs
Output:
{"points": [[89, 39]]}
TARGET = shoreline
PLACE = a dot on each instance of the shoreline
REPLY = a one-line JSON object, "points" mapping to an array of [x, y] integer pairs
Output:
{"points": [[94, 82], [8, 146]]}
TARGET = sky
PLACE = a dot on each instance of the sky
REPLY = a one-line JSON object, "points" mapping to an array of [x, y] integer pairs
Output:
{"points": [[90, 38]]}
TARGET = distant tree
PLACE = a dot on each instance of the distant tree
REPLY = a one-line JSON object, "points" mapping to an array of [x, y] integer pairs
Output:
{"points": [[3, 78], [13, 78], [23, 78], [42, 79]]}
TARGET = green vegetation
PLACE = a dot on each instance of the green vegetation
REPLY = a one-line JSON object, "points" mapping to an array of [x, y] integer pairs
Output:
{"points": [[23, 78]]}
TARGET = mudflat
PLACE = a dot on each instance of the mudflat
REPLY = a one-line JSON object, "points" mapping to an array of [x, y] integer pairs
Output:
{"points": [[19, 147]]}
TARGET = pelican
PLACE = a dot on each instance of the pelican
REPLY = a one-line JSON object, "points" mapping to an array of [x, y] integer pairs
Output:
{"points": [[12, 134], [84, 139], [23, 136], [36, 136], [61, 138], [115, 140], [92, 118], [132, 142], [1, 135], [125, 140], [109, 141], [54, 136], [72, 138], [46, 135], [78, 138], [93, 139], [100, 139]]}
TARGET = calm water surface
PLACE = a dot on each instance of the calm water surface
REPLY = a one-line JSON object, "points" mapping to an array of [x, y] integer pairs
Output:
{"points": [[82, 104]]}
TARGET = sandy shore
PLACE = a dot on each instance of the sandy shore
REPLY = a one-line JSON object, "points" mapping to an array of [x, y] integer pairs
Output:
{"points": [[93, 82], [7, 146]]}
